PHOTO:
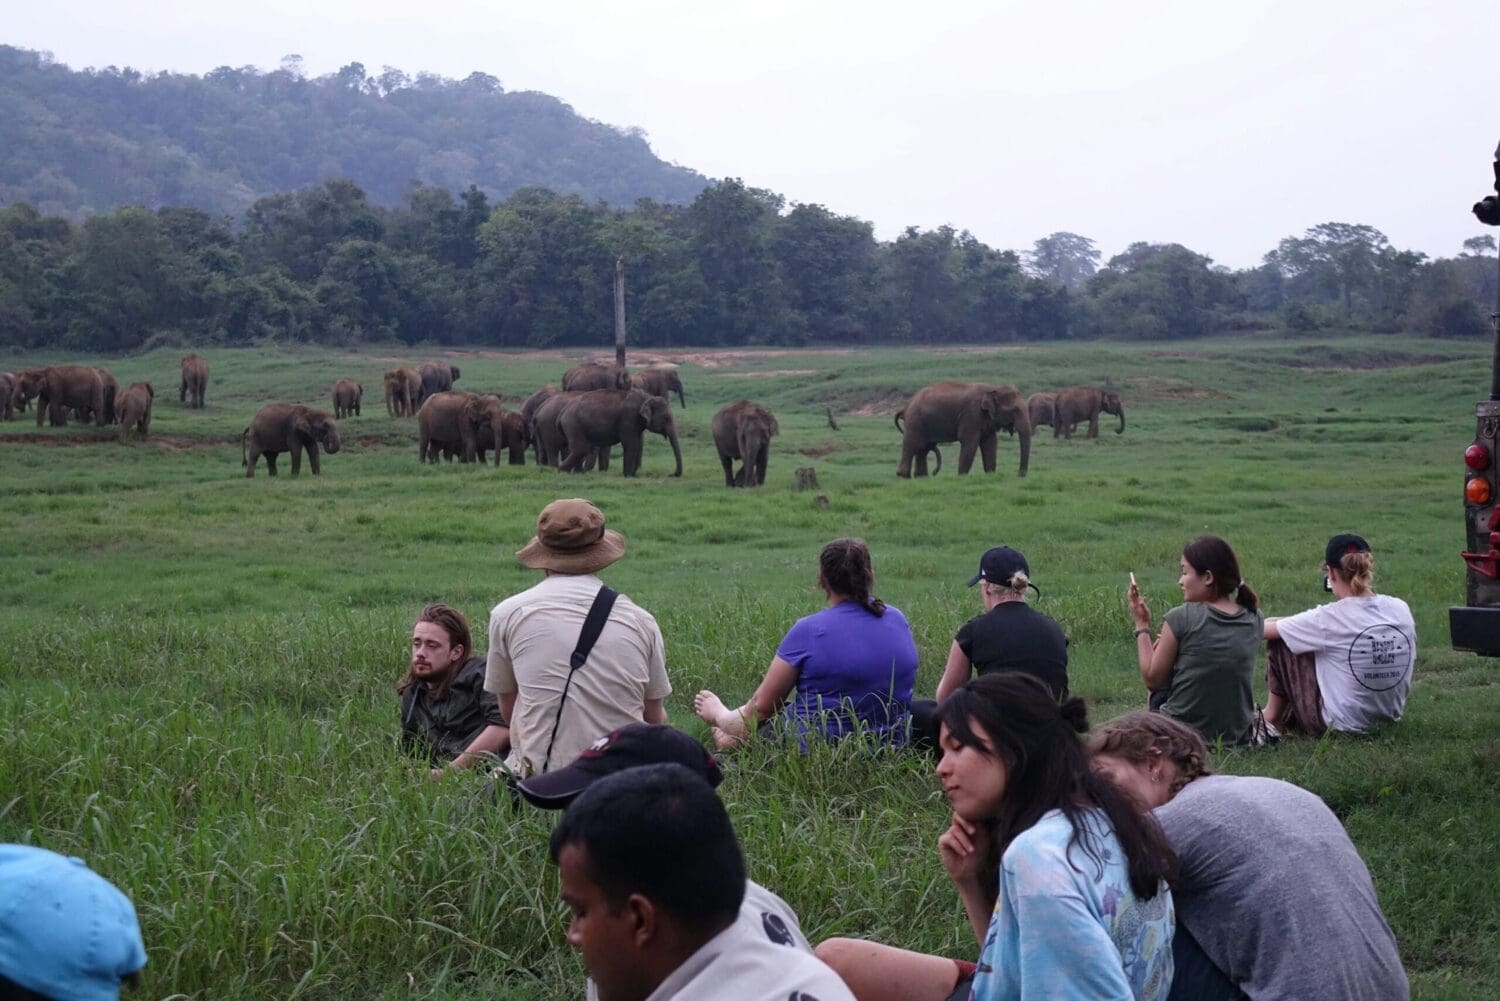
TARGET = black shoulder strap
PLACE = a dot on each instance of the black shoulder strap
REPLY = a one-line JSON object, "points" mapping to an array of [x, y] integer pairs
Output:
{"points": [[593, 625]]}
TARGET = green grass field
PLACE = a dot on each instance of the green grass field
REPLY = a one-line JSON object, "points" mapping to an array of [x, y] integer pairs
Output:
{"points": [[197, 670]]}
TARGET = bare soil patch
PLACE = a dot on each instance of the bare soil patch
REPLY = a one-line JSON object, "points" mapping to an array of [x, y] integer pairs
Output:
{"points": [[1156, 388], [167, 443], [883, 404]]}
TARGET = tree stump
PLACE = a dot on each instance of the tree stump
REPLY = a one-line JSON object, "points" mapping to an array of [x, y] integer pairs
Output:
{"points": [[831, 422], [805, 478], [821, 500]]}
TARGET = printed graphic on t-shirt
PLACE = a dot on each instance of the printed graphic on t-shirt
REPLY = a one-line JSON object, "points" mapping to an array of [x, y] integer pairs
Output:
{"points": [[776, 929], [1380, 657]]}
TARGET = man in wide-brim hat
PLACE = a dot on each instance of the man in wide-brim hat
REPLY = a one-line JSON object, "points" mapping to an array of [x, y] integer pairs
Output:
{"points": [[533, 636]]}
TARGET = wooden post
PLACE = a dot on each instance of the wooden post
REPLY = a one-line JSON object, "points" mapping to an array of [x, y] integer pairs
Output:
{"points": [[619, 312]]}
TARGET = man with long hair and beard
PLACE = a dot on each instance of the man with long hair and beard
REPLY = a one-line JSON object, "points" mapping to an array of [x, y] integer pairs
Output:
{"points": [[446, 714]]}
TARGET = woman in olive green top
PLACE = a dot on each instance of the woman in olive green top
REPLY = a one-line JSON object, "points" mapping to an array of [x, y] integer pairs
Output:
{"points": [[1199, 668]]}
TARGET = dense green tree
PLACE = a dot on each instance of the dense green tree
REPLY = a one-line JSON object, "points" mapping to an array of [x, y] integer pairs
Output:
{"points": [[1155, 290], [1334, 261], [1065, 259]]}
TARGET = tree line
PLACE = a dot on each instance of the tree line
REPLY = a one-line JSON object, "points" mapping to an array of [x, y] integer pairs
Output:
{"points": [[736, 266]]}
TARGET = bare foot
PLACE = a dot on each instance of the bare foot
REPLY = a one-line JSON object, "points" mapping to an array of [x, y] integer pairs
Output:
{"points": [[724, 741], [710, 708]]}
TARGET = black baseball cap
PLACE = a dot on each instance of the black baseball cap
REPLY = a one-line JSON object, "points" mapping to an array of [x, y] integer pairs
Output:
{"points": [[628, 747], [1339, 545], [999, 565]]}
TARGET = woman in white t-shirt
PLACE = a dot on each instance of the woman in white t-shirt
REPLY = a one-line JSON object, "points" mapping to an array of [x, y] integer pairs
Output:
{"points": [[1346, 665]]}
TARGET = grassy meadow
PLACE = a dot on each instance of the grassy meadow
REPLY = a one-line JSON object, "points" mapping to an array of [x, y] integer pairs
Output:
{"points": [[197, 670]]}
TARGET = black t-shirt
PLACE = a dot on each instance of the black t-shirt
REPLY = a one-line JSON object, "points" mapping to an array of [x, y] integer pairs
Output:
{"points": [[1013, 636]]}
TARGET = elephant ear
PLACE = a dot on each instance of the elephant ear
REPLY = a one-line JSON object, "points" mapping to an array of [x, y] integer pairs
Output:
{"points": [[989, 407], [474, 409], [648, 405], [303, 424], [773, 428], [150, 391]]}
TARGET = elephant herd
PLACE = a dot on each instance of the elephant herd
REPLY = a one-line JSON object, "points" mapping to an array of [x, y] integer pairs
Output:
{"points": [[973, 414]]}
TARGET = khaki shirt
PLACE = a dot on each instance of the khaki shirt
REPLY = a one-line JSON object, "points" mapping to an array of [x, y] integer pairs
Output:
{"points": [[532, 635]]}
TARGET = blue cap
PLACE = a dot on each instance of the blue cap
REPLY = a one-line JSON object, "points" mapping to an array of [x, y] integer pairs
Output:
{"points": [[65, 931]]}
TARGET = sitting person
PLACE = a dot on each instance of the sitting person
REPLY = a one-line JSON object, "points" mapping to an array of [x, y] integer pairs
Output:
{"points": [[66, 932], [1273, 900], [1200, 668], [654, 880], [1063, 879], [1345, 665], [446, 715], [852, 664], [762, 913]]}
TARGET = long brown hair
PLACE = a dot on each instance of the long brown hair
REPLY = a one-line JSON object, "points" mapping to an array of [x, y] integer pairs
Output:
{"points": [[452, 622], [848, 572], [1036, 739]]}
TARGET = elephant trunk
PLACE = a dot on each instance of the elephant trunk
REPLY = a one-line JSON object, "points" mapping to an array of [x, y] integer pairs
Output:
{"points": [[499, 441], [331, 443], [681, 398], [676, 449], [1121, 428]]}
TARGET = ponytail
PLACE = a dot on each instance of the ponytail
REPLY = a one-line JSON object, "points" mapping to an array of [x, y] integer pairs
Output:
{"points": [[1246, 598], [1358, 571], [848, 572]]}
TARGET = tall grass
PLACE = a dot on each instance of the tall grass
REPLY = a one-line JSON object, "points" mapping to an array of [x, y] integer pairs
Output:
{"points": [[197, 670]]}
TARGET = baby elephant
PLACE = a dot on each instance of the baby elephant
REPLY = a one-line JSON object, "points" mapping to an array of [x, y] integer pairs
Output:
{"points": [[133, 407], [346, 396], [287, 427], [744, 431]]}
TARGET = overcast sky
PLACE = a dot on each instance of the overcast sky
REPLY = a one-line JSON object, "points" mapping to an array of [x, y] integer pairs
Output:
{"points": [[1221, 126]]}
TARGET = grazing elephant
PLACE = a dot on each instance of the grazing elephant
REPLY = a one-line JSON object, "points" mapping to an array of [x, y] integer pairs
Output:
{"points": [[346, 396], [287, 427], [437, 377], [29, 385], [744, 431], [194, 382], [60, 388], [660, 382], [134, 408], [1042, 408], [1083, 403], [111, 390], [969, 413], [7, 395], [601, 418], [461, 420], [528, 417], [402, 387], [581, 378]]}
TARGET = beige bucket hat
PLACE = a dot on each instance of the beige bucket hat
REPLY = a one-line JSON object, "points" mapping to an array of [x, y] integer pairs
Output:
{"points": [[571, 538]]}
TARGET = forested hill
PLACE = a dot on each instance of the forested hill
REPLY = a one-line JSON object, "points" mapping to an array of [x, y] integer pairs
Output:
{"points": [[73, 143]]}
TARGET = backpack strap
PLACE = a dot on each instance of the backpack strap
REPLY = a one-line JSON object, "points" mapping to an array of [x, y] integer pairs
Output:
{"points": [[593, 625]]}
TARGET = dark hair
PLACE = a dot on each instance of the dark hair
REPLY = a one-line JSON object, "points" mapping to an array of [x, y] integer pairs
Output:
{"points": [[848, 572], [1211, 554], [660, 831], [452, 622], [1036, 739], [1139, 736]]}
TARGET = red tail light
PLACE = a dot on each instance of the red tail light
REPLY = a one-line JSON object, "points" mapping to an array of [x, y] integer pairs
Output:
{"points": [[1477, 457]]}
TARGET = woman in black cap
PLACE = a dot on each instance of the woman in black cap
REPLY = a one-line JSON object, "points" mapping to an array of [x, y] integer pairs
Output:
{"points": [[1345, 665], [1010, 635]]}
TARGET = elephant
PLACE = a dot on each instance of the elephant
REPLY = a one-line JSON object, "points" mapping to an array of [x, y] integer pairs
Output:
{"points": [[60, 388], [552, 443], [111, 390], [660, 382], [744, 431], [287, 427], [969, 413], [437, 377], [29, 383], [402, 387], [512, 438], [461, 420], [1084, 403], [1042, 407], [7, 395], [581, 378], [528, 418], [134, 408], [346, 396], [600, 418], [194, 381]]}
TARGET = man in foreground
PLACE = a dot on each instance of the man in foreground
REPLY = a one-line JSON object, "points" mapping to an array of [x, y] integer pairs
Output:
{"points": [[762, 913], [561, 685], [653, 877], [446, 715]]}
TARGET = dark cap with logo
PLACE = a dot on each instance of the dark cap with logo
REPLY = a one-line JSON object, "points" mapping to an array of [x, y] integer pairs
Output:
{"points": [[999, 565], [1340, 545], [628, 747]]}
